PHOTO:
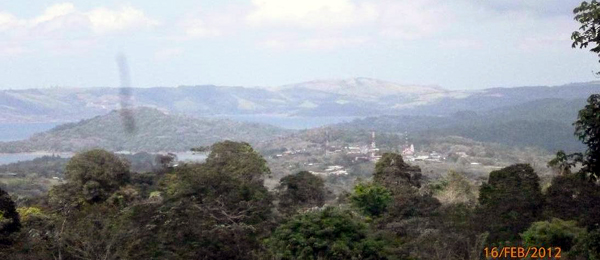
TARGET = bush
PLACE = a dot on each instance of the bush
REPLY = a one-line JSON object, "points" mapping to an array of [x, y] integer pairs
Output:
{"points": [[331, 233], [554, 233], [371, 199]]}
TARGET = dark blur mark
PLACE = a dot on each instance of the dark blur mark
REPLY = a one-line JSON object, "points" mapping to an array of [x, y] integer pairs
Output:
{"points": [[125, 95]]}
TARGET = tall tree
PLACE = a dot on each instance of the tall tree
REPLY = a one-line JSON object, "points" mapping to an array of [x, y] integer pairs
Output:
{"points": [[509, 202], [393, 173], [9, 218], [238, 158], [588, 15], [91, 177], [301, 190], [371, 199], [573, 198], [587, 129], [587, 126], [216, 210]]}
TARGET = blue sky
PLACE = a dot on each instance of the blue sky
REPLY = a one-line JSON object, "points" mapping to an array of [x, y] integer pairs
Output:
{"points": [[459, 44]]}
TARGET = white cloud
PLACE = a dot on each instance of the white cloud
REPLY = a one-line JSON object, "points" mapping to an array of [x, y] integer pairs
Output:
{"points": [[221, 21], [412, 19], [53, 12], [196, 27], [350, 22], [7, 21], [65, 16], [310, 13], [105, 20], [62, 28]]}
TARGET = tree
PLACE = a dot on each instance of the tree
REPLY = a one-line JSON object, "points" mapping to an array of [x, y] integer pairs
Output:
{"points": [[587, 129], [591, 245], [371, 199], [100, 166], [571, 197], [588, 15], [166, 161], [216, 210], [9, 218], [238, 158], [554, 233], [456, 189], [330, 233], [587, 126], [301, 190], [393, 173], [509, 202], [92, 177], [562, 163]]}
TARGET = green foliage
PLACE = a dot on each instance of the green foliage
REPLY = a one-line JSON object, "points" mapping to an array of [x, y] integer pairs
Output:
{"points": [[92, 177], [200, 149], [301, 190], [46, 166], [330, 233], [587, 126], [554, 233], [587, 129], [456, 188], [25, 213], [591, 245], [562, 163], [571, 197], [216, 210], [371, 199], [100, 166], [9, 218], [393, 173], [237, 158], [509, 202], [588, 15]]}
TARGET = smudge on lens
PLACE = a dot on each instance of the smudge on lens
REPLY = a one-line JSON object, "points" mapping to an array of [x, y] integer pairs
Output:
{"points": [[125, 95]]}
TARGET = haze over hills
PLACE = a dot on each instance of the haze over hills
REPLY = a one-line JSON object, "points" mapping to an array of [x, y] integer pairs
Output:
{"points": [[155, 131], [522, 116], [355, 97], [544, 123]]}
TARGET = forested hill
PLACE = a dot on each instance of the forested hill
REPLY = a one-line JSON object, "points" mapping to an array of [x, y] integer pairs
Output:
{"points": [[153, 131], [545, 123]]}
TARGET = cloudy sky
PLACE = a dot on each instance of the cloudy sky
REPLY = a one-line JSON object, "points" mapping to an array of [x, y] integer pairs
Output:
{"points": [[458, 44]]}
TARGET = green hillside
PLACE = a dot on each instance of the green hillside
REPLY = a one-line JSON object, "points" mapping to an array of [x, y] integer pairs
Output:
{"points": [[153, 131], [545, 123]]}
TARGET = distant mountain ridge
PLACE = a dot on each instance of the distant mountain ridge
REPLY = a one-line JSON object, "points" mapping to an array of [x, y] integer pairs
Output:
{"points": [[356, 97], [155, 131], [545, 123]]}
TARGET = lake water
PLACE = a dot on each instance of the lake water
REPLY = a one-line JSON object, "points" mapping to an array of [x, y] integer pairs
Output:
{"points": [[7, 158], [291, 122], [17, 157], [20, 131]]}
